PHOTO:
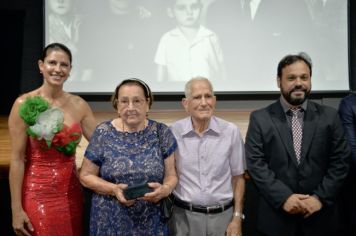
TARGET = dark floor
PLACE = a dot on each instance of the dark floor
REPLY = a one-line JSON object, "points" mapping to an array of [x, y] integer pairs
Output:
{"points": [[249, 225], [5, 209]]}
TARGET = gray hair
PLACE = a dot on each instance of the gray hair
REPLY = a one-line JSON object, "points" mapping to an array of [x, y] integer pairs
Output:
{"points": [[188, 85]]}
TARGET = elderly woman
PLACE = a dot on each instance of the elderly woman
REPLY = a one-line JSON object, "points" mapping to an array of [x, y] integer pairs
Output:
{"points": [[125, 152]]}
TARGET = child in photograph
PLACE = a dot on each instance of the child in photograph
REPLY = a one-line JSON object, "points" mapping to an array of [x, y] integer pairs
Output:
{"points": [[190, 49]]}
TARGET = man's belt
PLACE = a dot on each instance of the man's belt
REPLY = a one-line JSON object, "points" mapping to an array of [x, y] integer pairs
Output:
{"points": [[202, 209]]}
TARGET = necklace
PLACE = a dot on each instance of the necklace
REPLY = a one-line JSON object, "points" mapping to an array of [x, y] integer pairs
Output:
{"points": [[120, 125]]}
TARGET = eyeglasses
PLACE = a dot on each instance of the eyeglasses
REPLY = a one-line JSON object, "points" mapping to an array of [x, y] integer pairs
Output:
{"points": [[136, 102]]}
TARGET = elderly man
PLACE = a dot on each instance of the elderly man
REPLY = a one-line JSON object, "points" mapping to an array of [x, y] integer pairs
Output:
{"points": [[210, 164], [297, 156]]}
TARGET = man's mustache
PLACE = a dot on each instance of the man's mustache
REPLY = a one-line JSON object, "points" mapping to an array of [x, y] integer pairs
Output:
{"points": [[298, 89]]}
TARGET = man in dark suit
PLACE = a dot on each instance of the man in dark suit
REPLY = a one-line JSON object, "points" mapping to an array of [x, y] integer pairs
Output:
{"points": [[347, 112], [298, 163]]}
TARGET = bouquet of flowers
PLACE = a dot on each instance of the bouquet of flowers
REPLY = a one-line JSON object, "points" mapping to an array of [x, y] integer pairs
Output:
{"points": [[46, 123]]}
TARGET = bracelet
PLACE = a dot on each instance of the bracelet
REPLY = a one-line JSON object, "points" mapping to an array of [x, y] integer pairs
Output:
{"points": [[239, 215]]}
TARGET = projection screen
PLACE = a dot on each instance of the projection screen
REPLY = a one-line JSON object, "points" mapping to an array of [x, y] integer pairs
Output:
{"points": [[237, 44]]}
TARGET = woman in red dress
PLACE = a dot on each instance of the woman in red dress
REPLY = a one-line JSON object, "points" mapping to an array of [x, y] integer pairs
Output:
{"points": [[45, 126]]}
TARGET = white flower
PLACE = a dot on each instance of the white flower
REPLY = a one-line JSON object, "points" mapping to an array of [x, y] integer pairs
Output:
{"points": [[48, 123]]}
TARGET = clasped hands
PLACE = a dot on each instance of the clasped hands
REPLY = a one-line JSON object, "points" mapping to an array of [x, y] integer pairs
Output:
{"points": [[159, 191], [303, 204]]}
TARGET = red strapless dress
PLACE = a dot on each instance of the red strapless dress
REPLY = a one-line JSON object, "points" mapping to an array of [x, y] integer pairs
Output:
{"points": [[52, 194]]}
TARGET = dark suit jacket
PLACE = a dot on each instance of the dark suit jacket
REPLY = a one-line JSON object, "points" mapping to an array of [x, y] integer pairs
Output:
{"points": [[347, 111], [272, 164]]}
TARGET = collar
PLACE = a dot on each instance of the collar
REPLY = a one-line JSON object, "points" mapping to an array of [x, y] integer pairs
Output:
{"points": [[212, 127], [286, 106], [201, 34]]}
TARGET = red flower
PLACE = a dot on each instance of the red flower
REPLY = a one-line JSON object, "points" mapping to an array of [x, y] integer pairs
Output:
{"points": [[65, 136]]}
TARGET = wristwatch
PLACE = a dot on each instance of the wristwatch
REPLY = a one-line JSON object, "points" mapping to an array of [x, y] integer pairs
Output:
{"points": [[239, 215]]}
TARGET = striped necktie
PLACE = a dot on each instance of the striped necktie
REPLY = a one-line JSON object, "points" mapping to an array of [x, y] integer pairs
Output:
{"points": [[297, 132]]}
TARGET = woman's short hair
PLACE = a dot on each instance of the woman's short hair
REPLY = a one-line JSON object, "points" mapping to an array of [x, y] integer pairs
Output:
{"points": [[146, 90]]}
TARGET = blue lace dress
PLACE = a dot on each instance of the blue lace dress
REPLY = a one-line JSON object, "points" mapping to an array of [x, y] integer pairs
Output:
{"points": [[129, 158]]}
